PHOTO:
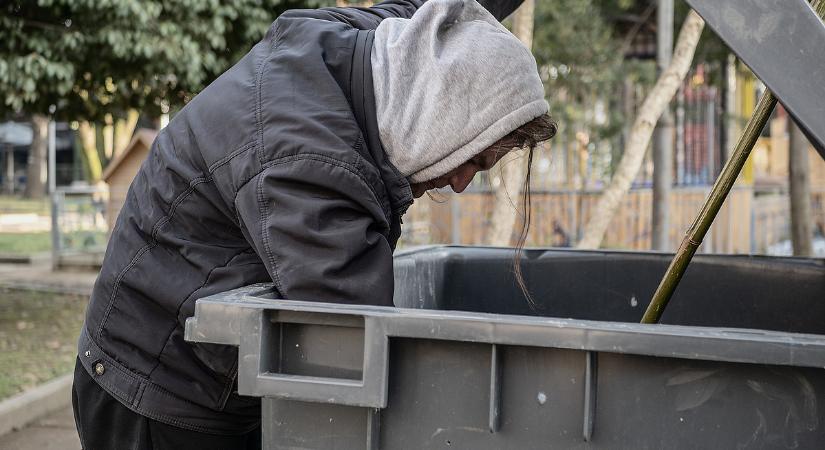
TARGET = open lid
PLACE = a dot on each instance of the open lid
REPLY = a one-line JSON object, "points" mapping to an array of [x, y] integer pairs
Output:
{"points": [[783, 42]]}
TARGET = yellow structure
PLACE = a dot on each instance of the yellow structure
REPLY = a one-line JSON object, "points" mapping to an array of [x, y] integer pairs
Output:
{"points": [[768, 163]]}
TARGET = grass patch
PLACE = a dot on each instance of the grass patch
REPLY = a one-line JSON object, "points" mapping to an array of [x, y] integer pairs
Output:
{"points": [[41, 241], [38, 337], [25, 243], [17, 205]]}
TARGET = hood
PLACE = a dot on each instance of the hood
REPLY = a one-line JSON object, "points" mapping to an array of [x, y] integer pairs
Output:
{"points": [[449, 82]]}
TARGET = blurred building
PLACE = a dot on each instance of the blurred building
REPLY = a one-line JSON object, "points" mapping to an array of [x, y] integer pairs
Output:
{"points": [[122, 170], [15, 143]]}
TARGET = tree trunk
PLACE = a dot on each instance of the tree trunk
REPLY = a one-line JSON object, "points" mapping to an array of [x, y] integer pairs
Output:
{"points": [[107, 138], [124, 129], [652, 108], [507, 178], [9, 185], [512, 169], [36, 170], [800, 192], [88, 145], [663, 142]]}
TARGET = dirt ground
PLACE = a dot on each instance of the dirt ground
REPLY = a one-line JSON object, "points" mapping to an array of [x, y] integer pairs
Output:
{"points": [[38, 337]]}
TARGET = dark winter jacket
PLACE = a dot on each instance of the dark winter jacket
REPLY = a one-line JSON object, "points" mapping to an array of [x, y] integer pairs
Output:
{"points": [[275, 172]]}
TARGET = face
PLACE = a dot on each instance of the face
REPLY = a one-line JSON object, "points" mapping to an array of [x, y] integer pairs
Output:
{"points": [[460, 177]]}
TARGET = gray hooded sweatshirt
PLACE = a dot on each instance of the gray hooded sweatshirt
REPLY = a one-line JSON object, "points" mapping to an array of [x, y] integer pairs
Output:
{"points": [[449, 82]]}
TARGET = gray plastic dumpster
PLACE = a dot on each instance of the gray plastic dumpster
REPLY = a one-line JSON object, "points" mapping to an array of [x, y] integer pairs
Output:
{"points": [[739, 362]]}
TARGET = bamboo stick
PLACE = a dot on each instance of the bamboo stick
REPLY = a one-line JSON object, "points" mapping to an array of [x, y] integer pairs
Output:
{"points": [[718, 194]]}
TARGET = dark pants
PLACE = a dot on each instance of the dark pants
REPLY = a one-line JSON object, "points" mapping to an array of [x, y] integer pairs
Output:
{"points": [[105, 424]]}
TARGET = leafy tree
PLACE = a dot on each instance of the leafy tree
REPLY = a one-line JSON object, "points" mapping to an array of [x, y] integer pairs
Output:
{"points": [[512, 169], [581, 47], [95, 60], [649, 113]]}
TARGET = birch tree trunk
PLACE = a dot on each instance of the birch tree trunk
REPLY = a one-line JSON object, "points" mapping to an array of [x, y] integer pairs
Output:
{"points": [[123, 131], [512, 169], [652, 108], [88, 145]]}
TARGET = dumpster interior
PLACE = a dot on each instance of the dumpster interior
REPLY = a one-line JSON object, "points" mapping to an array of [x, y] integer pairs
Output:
{"points": [[758, 292]]}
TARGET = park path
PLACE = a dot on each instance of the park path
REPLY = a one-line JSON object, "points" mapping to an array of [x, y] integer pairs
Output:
{"points": [[53, 432], [39, 276], [57, 430]]}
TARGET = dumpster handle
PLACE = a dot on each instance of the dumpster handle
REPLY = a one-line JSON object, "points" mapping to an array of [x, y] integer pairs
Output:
{"points": [[256, 379]]}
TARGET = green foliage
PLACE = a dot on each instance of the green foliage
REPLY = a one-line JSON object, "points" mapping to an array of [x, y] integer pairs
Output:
{"points": [[580, 46], [25, 243], [89, 58], [582, 60], [14, 205], [711, 49]]}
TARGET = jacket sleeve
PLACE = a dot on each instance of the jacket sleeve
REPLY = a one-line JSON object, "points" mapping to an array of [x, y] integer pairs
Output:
{"points": [[319, 230], [500, 9], [369, 18]]}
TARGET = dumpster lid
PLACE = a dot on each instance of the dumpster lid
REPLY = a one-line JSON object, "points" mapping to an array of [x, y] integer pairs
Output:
{"points": [[783, 42]]}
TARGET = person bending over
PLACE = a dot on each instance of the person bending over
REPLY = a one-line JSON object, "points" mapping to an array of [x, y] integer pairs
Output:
{"points": [[294, 167]]}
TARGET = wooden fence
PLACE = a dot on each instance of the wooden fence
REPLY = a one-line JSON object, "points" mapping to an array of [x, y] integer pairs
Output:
{"points": [[749, 221]]}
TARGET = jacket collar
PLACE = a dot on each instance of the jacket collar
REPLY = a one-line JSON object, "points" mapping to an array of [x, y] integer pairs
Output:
{"points": [[362, 96]]}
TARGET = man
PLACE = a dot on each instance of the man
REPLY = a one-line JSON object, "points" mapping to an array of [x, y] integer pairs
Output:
{"points": [[294, 167]]}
